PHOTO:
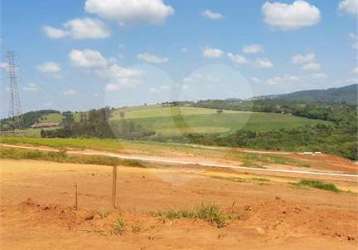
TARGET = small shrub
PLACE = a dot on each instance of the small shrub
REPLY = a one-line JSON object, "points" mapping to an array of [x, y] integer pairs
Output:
{"points": [[119, 226], [319, 185], [212, 214], [207, 212]]}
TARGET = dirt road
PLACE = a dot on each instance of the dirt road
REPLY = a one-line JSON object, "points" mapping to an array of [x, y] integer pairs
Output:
{"points": [[192, 161]]}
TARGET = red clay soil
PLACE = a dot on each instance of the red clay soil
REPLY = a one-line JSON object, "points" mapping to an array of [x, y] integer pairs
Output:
{"points": [[37, 210]]}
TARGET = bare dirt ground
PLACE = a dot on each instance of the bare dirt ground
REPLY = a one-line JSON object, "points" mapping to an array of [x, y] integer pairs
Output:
{"points": [[37, 209]]}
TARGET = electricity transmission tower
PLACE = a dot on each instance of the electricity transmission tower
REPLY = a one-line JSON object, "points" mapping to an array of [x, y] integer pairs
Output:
{"points": [[14, 104]]}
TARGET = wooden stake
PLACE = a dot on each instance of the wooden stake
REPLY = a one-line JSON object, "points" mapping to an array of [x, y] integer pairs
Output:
{"points": [[114, 187], [76, 197]]}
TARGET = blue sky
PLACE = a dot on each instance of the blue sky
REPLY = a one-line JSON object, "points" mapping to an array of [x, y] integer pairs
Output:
{"points": [[89, 53]]}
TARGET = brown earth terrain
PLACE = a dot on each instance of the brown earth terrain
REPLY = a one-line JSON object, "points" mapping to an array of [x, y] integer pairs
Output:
{"points": [[37, 209]]}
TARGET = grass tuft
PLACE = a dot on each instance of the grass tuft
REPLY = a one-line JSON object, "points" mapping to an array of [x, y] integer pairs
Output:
{"points": [[119, 226], [207, 212], [319, 185]]}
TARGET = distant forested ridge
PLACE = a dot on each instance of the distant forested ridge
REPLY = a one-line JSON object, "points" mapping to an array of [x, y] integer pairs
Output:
{"points": [[346, 94]]}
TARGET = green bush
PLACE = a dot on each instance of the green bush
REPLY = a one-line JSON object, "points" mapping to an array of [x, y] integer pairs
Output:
{"points": [[319, 185]]}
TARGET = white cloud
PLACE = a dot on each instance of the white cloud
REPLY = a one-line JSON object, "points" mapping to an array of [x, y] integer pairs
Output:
{"points": [[70, 92], [293, 16], [116, 76], [125, 12], [31, 87], [349, 6], [355, 70], [151, 58], [236, 58], [212, 15], [85, 28], [54, 33], [212, 53], [308, 61], [313, 66], [264, 63], [87, 58], [253, 49], [49, 67], [285, 79], [303, 58]]}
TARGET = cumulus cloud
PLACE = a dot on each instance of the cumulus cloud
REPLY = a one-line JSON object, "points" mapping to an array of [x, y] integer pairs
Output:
{"points": [[263, 63], [151, 58], [293, 16], [115, 76], [285, 79], [85, 28], [303, 58], [312, 66], [49, 67], [212, 15], [307, 61], [349, 6], [253, 49], [237, 58], [87, 58], [126, 12], [212, 53], [54, 33]]}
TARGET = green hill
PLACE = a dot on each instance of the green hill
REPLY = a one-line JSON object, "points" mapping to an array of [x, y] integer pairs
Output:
{"points": [[172, 121]]}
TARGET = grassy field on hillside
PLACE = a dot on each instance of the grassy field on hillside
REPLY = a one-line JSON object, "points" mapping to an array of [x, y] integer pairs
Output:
{"points": [[172, 121], [55, 117]]}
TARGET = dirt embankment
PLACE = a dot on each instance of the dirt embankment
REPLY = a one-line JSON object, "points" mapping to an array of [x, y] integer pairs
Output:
{"points": [[37, 210]]}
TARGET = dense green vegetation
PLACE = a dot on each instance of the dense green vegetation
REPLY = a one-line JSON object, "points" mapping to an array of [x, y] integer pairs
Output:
{"points": [[95, 123], [27, 119], [339, 137]]}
